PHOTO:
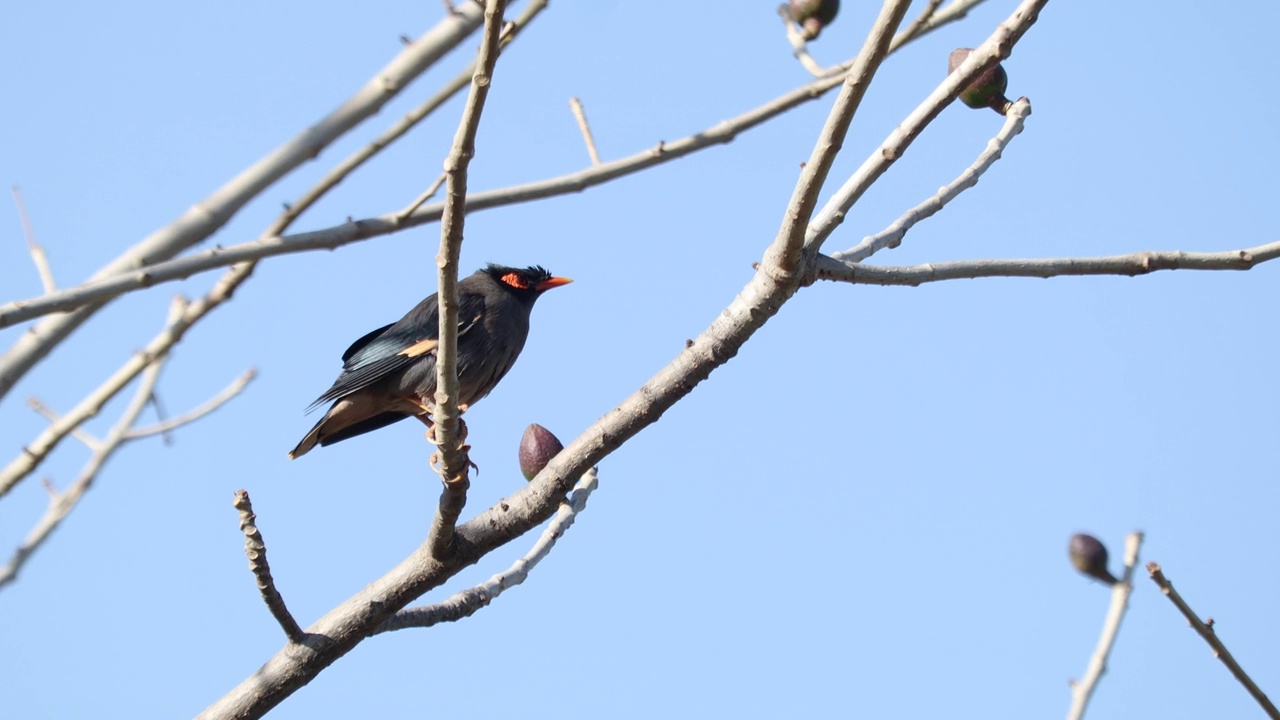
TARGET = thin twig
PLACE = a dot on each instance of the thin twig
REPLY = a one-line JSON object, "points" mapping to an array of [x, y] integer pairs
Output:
{"points": [[575, 105], [799, 46], [1206, 631], [235, 388], [892, 236], [37, 252], [466, 602], [79, 433], [97, 290], [452, 452], [921, 20], [426, 195], [1139, 263], [1120, 592], [62, 503], [256, 550], [957, 10]]}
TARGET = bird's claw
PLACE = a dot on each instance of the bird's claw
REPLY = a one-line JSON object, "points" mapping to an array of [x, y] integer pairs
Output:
{"points": [[434, 461], [431, 431]]}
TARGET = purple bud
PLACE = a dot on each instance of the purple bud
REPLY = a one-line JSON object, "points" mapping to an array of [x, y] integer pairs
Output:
{"points": [[537, 448]]}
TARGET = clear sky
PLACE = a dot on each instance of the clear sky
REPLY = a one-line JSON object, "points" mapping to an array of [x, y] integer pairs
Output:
{"points": [[864, 514]]}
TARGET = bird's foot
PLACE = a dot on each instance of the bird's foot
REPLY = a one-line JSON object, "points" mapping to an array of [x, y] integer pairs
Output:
{"points": [[431, 430], [434, 461]]}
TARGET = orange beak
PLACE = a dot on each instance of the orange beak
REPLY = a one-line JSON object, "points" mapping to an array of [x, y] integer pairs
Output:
{"points": [[552, 283]]}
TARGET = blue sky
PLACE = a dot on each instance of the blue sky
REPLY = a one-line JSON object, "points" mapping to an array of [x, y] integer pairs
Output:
{"points": [[863, 514]]}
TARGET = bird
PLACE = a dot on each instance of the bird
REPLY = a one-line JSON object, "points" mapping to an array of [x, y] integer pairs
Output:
{"points": [[390, 374]]}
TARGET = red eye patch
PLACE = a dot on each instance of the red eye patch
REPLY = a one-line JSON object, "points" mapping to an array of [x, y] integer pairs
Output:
{"points": [[515, 280]]}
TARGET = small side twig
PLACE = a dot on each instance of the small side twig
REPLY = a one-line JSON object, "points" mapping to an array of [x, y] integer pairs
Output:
{"points": [[1206, 631], [921, 20], [37, 253], [581, 116], [1120, 592], [467, 602], [892, 236], [419, 201], [235, 388], [931, 19], [799, 47], [256, 550]]}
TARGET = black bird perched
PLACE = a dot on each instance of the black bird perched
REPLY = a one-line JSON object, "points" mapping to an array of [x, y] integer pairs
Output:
{"points": [[390, 374]]}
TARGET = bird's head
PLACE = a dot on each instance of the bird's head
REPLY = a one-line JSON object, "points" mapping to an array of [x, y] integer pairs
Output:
{"points": [[526, 283]]}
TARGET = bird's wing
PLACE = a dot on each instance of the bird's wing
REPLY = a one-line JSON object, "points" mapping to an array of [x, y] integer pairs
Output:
{"points": [[390, 349], [363, 341]]}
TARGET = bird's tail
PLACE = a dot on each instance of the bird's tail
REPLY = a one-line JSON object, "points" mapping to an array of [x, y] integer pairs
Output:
{"points": [[309, 441]]}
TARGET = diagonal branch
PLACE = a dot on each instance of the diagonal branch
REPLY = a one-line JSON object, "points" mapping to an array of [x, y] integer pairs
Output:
{"points": [[1205, 630], [892, 236], [467, 602], [205, 217]]}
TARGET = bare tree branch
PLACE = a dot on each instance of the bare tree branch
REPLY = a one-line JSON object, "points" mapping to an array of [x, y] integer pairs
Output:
{"points": [[35, 453], [445, 412], [957, 10], [804, 197], [990, 52], [398, 130], [1139, 263], [917, 26], [235, 388], [358, 230], [37, 253], [1120, 592], [799, 46], [465, 603], [1206, 631], [53, 416], [892, 236], [256, 550], [62, 503], [346, 625], [205, 217]]}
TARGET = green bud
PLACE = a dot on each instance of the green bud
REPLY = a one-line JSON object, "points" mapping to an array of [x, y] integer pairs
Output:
{"points": [[985, 91]]}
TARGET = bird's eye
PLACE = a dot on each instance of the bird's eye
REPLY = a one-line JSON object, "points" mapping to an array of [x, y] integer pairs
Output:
{"points": [[516, 281]]}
